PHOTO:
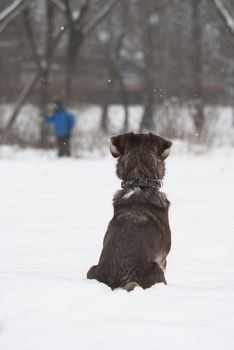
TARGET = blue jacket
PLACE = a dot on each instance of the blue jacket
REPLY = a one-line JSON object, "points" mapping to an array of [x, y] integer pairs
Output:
{"points": [[62, 120]]}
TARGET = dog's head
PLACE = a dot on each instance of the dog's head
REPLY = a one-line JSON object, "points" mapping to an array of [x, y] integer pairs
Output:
{"points": [[140, 155]]}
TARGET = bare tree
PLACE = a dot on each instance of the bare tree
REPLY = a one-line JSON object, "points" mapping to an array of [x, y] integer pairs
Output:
{"points": [[197, 65], [42, 64], [228, 21], [150, 19], [115, 77], [158, 55], [113, 43], [6, 17], [79, 28], [21, 98]]}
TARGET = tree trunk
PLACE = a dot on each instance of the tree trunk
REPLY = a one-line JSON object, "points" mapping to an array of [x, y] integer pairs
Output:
{"points": [[74, 45], [105, 106], [197, 67], [69, 79], [44, 88], [125, 102], [20, 101], [147, 122]]}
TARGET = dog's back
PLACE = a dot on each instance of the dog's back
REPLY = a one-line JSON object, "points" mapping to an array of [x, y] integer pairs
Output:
{"points": [[137, 240]]}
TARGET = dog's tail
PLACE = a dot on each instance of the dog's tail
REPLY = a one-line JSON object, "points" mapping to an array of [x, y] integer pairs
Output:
{"points": [[130, 286]]}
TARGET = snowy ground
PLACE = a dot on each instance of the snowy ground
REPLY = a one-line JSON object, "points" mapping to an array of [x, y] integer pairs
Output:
{"points": [[170, 118], [51, 230]]}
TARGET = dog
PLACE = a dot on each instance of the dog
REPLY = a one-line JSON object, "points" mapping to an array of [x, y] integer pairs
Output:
{"points": [[138, 238]]}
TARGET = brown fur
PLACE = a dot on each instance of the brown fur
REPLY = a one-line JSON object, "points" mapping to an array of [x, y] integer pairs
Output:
{"points": [[138, 237]]}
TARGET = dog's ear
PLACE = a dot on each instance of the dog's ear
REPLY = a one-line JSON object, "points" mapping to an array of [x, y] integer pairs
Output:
{"points": [[166, 149], [114, 146], [163, 145], [117, 144]]}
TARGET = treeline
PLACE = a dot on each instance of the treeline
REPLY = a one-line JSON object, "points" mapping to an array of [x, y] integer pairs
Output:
{"points": [[116, 51]]}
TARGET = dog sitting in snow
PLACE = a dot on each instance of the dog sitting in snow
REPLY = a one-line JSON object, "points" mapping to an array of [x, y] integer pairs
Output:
{"points": [[138, 237]]}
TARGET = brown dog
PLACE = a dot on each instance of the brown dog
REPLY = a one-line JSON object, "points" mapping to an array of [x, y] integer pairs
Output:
{"points": [[138, 237]]}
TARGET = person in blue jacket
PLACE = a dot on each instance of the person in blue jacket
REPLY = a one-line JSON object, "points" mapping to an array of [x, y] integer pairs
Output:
{"points": [[63, 124]]}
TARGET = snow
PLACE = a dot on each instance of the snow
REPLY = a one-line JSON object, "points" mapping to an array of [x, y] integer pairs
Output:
{"points": [[170, 118], [54, 213]]}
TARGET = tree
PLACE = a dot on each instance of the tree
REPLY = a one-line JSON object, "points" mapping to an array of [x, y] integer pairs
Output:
{"points": [[228, 21], [197, 65], [148, 29], [42, 64], [80, 26], [112, 37]]}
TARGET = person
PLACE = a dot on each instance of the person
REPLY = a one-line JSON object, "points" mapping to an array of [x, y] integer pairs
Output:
{"points": [[63, 122]]}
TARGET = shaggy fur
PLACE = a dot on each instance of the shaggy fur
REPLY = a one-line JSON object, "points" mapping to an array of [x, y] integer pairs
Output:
{"points": [[138, 237]]}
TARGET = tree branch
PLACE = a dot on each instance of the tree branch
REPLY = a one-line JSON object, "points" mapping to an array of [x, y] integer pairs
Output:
{"points": [[29, 87], [60, 5], [11, 12], [31, 40], [80, 20], [19, 102], [98, 19], [68, 12], [225, 15]]}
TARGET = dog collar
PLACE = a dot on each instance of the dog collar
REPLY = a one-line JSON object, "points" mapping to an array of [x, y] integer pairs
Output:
{"points": [[142, 182]]}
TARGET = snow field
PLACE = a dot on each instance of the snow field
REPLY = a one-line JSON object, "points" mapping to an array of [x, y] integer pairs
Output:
{"points": [[54, 213], [171, 119]]}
